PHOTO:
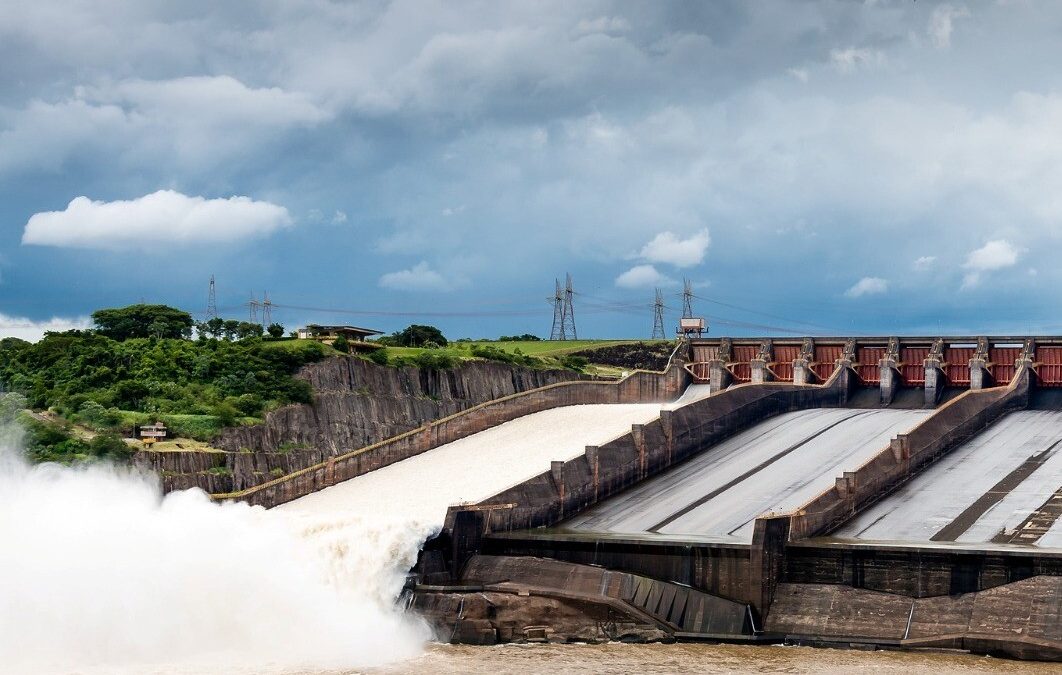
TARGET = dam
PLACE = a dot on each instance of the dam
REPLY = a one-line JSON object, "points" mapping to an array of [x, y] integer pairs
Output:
{"points": [[889, 492]]}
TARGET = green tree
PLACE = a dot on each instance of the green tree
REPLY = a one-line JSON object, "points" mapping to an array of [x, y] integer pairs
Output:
{"points": [[417, 335], [230, 329], [141, 321], [247, 329], [215, 327], [275, 330], [342, 344]]}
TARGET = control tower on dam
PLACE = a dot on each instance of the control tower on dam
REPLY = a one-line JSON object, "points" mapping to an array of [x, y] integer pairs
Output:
{"points": [[899, 492]]}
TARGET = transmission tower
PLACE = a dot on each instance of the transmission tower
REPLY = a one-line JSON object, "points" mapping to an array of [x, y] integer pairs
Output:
{"points": [[267, 310], [658, 317], [212, 301], [252, 309], [557, 332], [687, 299], [568, 316]]}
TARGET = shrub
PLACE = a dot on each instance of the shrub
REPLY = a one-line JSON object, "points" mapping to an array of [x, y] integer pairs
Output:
{"points": [[342, 344], [378, 356]]}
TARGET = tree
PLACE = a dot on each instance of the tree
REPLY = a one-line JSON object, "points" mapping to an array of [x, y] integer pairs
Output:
{"points": [[417, 336], [246, 329], [215, 327], [231, 329], [275, 330], [142, 321], [342, 344]]}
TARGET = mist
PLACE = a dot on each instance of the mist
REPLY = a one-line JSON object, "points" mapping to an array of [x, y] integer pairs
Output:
{"points": [[98, 570]]}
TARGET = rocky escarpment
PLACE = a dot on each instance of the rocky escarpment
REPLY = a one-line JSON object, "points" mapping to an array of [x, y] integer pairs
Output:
{"points": [[356, 403], [635, 355]]}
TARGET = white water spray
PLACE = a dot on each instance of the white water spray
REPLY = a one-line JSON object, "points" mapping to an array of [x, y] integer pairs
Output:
{"points": [[100, 572]]}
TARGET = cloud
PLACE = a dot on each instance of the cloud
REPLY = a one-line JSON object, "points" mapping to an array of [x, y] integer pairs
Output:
{"points": [[28, 329], [165, 218], [421, 277], [867, 286], [339, 217], [994, 255], [187, 121], [799, 73], [642, 276], [668, 248], [924, 262], [850, 59], [941, 24]]}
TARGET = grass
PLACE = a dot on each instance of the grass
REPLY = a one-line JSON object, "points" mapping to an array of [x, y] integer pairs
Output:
{"points": [[294, 344]]}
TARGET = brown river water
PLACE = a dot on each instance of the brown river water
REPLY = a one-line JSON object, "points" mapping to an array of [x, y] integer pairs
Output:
{"points": [[694, 658]]}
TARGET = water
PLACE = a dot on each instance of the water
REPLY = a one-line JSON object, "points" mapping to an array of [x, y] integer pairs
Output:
{"points": [[100, 573]]}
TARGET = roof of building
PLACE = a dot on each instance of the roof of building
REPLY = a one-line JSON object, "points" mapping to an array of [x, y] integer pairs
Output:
{"points": [[337, 329]]}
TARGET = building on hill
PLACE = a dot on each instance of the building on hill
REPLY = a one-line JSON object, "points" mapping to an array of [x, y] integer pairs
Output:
{"points": [[152, 433], [328, 334]]}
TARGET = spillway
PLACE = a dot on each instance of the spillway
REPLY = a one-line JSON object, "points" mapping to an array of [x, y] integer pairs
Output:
{"points": [[983, 491], [421, 488], [776, 465]]}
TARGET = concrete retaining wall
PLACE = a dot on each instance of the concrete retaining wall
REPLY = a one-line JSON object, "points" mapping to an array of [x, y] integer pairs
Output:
{"points": [[639, 387], [602, 471], [951, 425], [1018, 620]]}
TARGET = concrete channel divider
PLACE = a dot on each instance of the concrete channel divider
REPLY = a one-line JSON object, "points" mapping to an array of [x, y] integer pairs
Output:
{"points": [[952, 424], [604, 470], [640, 386]]}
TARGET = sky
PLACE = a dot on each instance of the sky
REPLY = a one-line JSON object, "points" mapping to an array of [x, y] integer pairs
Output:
{"points": [[885, 167]]}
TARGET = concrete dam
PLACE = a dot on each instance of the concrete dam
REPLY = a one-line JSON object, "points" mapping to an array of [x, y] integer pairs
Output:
{"points": [[888, 492]]}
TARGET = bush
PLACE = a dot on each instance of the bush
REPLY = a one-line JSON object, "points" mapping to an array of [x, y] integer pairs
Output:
{"points": [[378, 356], [576, 363], [110, 446], [341, 344], [430, 361]]}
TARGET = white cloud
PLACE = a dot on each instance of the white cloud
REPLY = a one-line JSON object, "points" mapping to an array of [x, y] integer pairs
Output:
{"points": [[28, 329], [642, 276], [799, 73], [339, 217], [851, 59], [421, 277], [941, 24], [164, 217], [994, 255], [924, 262], [867, 286], [666, 247]]}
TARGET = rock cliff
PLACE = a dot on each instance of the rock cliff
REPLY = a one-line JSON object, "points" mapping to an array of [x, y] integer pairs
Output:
{"points": [[356, 403]]}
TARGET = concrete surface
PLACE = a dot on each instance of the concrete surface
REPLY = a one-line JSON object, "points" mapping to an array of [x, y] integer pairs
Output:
{"points": [[776, 465], [987, 486]]}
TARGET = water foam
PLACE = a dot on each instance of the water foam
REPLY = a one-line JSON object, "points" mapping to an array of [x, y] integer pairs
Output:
{"points": [[99, 571]]}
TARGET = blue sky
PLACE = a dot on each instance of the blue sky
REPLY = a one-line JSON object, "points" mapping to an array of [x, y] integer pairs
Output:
{"points": [[877, 167]]}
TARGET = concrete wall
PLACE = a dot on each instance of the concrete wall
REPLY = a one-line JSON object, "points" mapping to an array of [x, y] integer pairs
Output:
{"points": [[569, 487], [1018, 620], [952, 424], [639, 387]]}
